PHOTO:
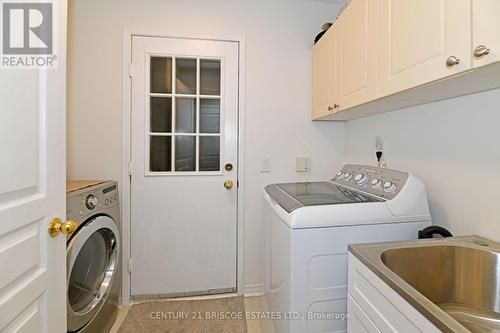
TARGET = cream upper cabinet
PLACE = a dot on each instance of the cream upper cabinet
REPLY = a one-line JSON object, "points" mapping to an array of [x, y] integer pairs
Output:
{"points": [[486, 32], [356, 68], [422, 41], [385, 55], [324, 90]]}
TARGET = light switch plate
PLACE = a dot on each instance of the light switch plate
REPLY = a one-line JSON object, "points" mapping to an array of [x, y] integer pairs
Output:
{"points": [[265, 164], [302, 164]]}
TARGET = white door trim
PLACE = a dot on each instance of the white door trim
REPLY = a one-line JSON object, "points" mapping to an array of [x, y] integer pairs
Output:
{"points": [[128, 33]]}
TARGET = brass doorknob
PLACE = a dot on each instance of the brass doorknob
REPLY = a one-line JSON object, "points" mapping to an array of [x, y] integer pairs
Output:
{"points": [[66, 228], [228, 167], [228, 184]]}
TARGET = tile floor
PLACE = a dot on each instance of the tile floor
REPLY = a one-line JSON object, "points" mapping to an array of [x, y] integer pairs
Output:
{"points": [[137, 321], [257, 304], [137, 317]]}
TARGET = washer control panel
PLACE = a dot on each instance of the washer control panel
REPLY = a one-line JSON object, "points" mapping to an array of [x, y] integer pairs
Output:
{"points": [[91, 201], [380, 182], [85, 203]]}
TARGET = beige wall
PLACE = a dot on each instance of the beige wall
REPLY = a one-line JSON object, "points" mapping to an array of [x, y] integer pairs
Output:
{"points": [[453, 146], [279, 38]]}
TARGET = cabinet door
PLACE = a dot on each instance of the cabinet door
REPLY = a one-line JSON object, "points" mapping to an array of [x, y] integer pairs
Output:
{"points": [[417, 37], [323, 90], [357, 31], [358, 321], [485, 32]]}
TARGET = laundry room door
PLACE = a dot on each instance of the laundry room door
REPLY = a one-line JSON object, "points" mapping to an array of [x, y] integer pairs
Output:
{"points": [[184, 166], [32, 181]]}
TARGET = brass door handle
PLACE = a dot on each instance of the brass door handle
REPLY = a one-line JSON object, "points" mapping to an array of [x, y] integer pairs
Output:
{"points": [[228, 167], [57, 225], [228, 184]]}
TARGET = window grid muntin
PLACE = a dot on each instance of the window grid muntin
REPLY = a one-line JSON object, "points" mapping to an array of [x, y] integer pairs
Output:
{"points": [[174, 133]]}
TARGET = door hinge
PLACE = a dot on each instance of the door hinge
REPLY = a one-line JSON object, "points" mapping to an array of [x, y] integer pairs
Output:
{"points": [[130, 70], [130, 265], [130, 168]]}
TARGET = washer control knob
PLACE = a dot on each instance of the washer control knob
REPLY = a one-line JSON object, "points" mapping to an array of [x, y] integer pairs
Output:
{"points": [[348, 176], [91, 201], [360, 179], [389, 187], [376, 183], [340, 174]]}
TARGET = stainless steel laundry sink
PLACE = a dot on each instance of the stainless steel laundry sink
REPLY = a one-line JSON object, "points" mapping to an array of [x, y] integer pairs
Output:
{"points": [[453, 282]]}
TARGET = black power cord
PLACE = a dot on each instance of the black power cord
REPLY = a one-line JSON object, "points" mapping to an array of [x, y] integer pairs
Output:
{"points": [[379, 156]]}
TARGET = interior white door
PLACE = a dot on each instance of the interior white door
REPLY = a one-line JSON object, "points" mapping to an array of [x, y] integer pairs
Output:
{"points": [[32, 193], [184, 161]]}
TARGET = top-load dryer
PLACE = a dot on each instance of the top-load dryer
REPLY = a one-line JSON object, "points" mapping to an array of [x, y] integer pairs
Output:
{"points": [[308, 227]]}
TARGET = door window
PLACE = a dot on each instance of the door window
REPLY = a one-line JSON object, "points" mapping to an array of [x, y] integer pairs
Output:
{"points": [[184, 115]]}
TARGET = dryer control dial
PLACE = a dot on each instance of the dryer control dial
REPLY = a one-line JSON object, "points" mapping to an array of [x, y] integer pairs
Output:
{"points": [[91, 201], [360, 179], [389, 187], [376, 183]]}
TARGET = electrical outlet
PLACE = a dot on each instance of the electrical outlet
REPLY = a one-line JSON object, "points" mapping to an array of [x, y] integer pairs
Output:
{"points": [[379, 151], [379, 144]]}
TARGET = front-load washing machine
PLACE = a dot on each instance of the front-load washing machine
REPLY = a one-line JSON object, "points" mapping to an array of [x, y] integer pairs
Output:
{"points": [[308, 228], [93, 256]]}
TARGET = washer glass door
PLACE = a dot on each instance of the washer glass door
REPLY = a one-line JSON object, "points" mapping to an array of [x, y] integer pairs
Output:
{"points": [[92, 257]]}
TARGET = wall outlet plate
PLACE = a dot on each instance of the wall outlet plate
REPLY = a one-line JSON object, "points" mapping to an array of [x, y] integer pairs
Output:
{"points": [[302, 164], [379, 143]]}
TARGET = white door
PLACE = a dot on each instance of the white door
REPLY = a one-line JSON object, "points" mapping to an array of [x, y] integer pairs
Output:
{"points": [[184, 161], [418, 38], [32, 193], [485, 36]]}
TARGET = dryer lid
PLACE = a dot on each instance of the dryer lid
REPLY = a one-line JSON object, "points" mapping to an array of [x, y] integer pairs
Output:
{"points": [[291, 196]]}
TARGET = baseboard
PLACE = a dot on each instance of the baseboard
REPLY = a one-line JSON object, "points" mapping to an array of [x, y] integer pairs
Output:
{"points": [[254, 290]]}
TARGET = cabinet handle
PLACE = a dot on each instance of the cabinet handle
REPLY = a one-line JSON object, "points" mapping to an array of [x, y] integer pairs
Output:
{"points": [[330, 108], [452, 61], [336, 106], [481, 51]]}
